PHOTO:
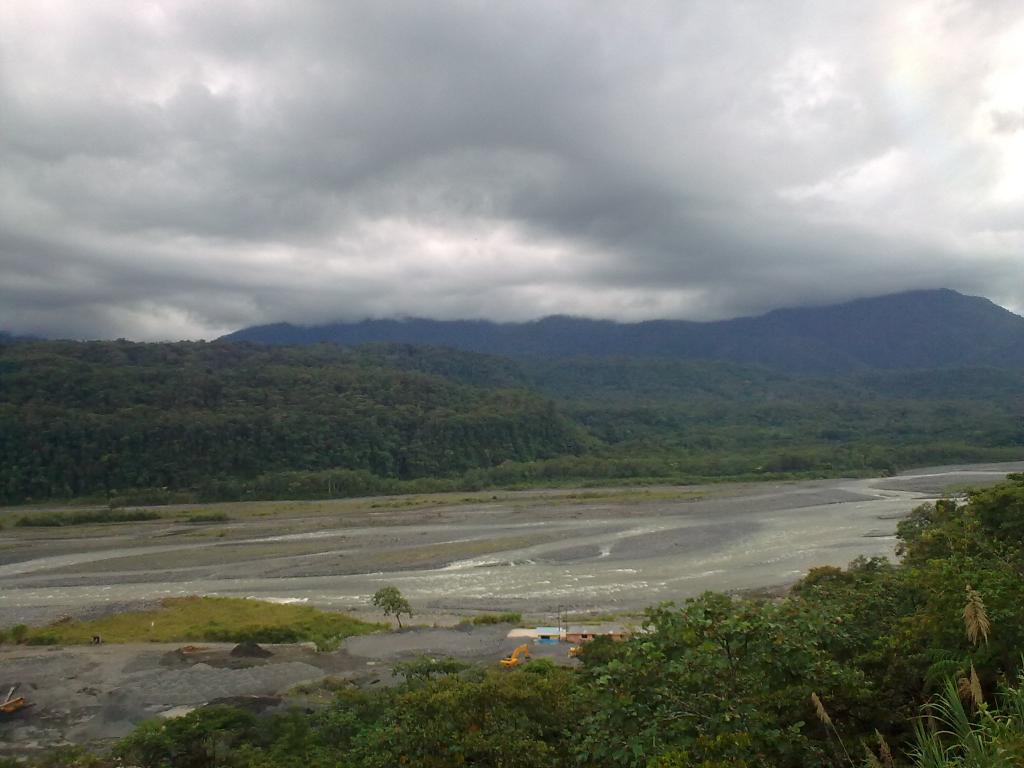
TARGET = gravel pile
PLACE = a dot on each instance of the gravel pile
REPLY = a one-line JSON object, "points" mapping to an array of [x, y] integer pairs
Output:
{"points": [[478, 642], [202, 683], [250, 650]]}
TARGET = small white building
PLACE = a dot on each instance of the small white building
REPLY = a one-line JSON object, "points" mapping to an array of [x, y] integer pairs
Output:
{"points": [[574, 633]]}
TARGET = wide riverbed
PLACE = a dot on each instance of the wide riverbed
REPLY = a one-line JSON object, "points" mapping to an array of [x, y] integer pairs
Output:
{"points": [[535, 551]]}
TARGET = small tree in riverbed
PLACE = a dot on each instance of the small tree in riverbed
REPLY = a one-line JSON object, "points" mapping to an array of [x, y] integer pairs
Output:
{"points": [[390, 600]]}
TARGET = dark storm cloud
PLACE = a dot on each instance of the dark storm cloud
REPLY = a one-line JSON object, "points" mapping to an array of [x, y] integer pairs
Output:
{"points": [[182, 169]]}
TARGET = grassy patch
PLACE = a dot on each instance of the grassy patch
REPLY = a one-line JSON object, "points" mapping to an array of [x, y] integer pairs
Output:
{"points": [[509, 617], [632, 495], [86, 517], [329, 684], [324, 691], [211, 619]]}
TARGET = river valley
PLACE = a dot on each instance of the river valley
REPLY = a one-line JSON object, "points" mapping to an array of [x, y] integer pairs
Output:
{"points": [[583, 550]]}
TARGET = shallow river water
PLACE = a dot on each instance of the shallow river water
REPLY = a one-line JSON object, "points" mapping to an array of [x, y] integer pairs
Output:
{"points": [[616, 555]]}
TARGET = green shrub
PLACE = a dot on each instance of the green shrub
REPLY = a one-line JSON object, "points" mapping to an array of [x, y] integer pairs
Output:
{"points": [[200, 739], [426, 668], [539, 667], [18, 632], [43, 638], [509, 617]]}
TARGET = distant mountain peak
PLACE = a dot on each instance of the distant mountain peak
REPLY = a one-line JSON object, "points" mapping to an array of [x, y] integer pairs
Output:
{"points": [[914, 329]]}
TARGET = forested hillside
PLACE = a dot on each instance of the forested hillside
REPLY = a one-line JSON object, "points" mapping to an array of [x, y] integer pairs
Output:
{"points": [[81, 419], [722, 418], [131, 423]]}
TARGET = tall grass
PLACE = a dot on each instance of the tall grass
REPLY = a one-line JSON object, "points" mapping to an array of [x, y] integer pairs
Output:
{"points": [[949, 736]]}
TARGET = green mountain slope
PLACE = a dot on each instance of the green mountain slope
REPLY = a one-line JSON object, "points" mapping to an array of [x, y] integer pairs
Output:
{"points": [[195, 421], [79, 419]]}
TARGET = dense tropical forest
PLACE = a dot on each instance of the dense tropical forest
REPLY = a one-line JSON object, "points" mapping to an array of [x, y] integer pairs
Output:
{"points": [[125, 423], [105, 417], [916, 663]]}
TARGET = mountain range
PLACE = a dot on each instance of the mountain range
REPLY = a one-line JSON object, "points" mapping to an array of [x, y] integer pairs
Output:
{"points": [[910, 330]]}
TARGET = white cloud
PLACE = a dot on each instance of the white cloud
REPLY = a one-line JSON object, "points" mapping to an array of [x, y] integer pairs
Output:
{"points": [[174, 169]]}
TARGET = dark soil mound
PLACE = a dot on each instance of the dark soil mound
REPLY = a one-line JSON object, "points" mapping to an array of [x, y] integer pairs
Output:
{"points": [[250, 650], [254, 704], [176, 658]]}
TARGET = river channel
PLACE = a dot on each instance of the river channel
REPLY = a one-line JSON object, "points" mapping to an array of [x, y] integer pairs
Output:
{"points": [[530, 551]]}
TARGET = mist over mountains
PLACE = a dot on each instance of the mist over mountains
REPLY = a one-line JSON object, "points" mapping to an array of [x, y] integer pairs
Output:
{"points": [[910, 330]]}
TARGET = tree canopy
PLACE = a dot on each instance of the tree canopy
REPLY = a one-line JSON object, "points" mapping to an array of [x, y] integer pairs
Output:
{"points": [[132, 424], [390, 600]]}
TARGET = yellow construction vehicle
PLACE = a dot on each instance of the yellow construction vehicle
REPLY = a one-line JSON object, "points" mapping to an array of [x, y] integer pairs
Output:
{"points": [[517, 656], [12, 704], [574, 651]]}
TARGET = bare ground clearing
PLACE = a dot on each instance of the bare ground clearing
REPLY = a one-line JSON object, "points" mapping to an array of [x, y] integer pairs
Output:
{"points": [[90, 694]]}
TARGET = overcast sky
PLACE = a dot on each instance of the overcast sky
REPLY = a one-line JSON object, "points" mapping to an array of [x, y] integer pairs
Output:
{"points": [[182, 169]]}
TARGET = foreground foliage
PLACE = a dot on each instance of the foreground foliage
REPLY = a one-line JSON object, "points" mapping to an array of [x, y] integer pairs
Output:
{"points": [[949, 734]]}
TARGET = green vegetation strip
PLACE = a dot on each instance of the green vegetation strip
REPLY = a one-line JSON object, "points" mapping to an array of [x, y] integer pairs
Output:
{"points": [[209, 619], [509, 617], [88, 517]]}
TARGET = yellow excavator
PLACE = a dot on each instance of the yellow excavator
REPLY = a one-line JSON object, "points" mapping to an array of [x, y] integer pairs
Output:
{"points": [[517, 656], [10, 704]]}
